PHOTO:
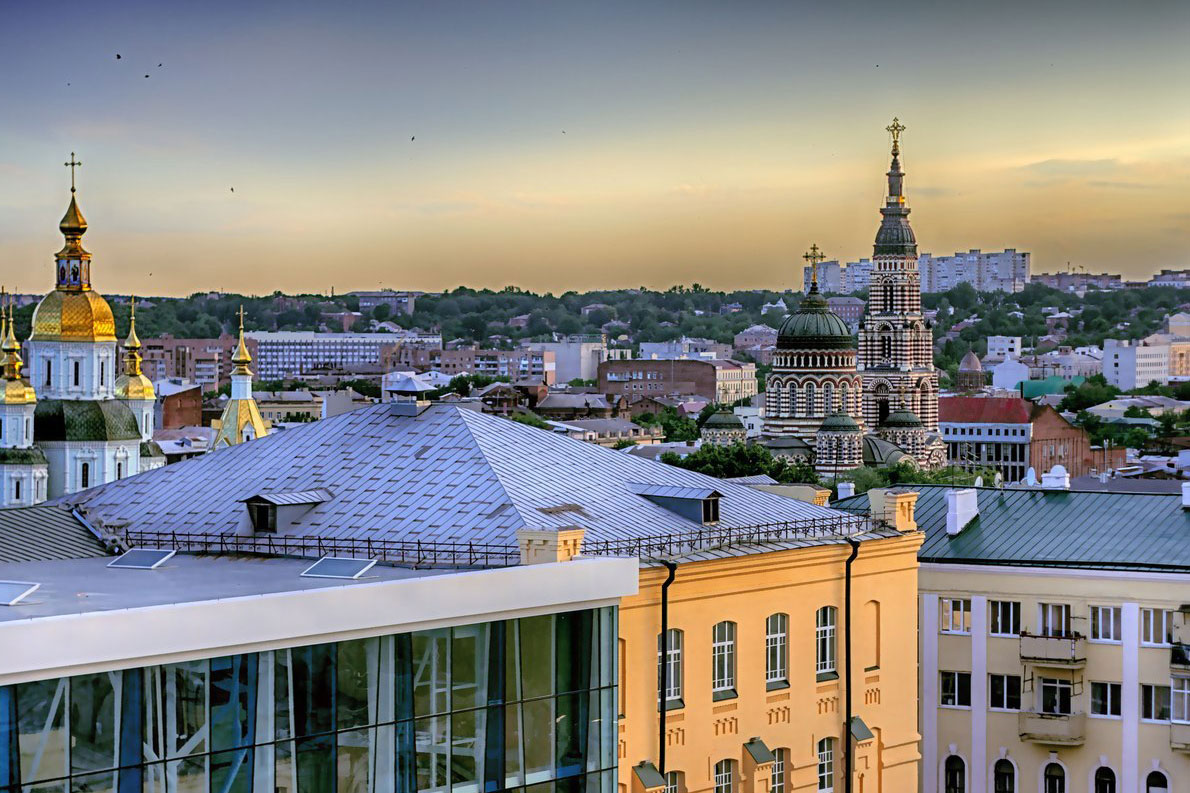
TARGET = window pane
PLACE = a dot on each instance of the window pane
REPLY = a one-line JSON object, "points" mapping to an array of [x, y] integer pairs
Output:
{"points": [[93, 722], [537, 656], [430, 679], [41, 712]]}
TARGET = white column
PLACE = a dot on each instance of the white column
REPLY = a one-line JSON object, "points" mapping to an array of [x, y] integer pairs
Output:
{"points": [[1130, 698], [928, 630], [979, 694]]}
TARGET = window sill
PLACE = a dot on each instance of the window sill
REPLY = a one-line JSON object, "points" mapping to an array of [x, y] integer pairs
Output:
{"points": [[1104, 641], [674, 704], [954, 633], [955, 707], [776, 685], [991, 710], [1154, 721], [875, 668], [1103, 716], [822, 677], [719, 696]]}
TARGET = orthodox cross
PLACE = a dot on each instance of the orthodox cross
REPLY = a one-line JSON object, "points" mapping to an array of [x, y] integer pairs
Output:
{"points": [[814, 257], [896, 128], [72, 165], [241, 313]]}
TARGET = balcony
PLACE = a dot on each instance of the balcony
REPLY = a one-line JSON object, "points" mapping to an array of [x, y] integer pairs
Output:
{"points": [[1179, 737], [1063, 651], [1057, 729], [1179, 657]]}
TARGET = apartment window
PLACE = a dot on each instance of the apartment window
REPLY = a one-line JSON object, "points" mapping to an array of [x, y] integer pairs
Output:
{"points": [[955, 775], [1105, 623], [1181, 699], [1156, 782], [723, 660], [1156, 626], [777, 780], [724, 777], [1004, 777], [956, 615], [1055, 619], [1005, 618], [1105, 699], [1004, 692], [1105, 780], [826, 765], [824, 639], [669, 661], [1055, 779], [673, 782], [955, 689], [1056, 695], [776, 647], [1154, 702]]}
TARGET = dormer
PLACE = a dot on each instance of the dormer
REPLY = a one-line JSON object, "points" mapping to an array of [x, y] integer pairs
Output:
{"points": [[696, 504], [273, 512]]}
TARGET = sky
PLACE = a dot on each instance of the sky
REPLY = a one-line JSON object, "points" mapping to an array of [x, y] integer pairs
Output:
{"points": [[565, 145]]}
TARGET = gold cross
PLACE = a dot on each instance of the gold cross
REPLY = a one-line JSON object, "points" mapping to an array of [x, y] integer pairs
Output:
{"points": [[896, 128], [814, 256], [72, 165], [241, 313]]}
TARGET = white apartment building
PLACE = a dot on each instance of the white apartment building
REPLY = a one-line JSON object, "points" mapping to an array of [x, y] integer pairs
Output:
{"points": [[1130, 364], [1053, 656], [575, 357], [1004, 271], [282, 354], [1001, 347], [830, 277]]}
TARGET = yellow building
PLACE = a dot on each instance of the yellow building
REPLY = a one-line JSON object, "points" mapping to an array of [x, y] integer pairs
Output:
{"points": [[756, 666], [1053, 640]]}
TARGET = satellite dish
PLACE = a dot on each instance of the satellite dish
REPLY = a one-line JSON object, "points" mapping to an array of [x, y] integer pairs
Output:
{"points": [[1058, 470], [1030, 477], [998, 480], [979, 481]]}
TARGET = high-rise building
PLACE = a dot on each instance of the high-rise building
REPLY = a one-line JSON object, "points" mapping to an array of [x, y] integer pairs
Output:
{"points": [[896, 355]]}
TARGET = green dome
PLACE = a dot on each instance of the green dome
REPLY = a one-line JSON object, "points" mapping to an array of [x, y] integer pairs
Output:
{"points": [[903, 418], [879, 453], [838, 422], [723, 420], [814, 327], [30, 456], [149, 449], [84, 420]]}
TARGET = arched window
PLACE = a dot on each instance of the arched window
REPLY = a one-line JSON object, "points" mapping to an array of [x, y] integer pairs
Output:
{"points": [[675, 782], [1156, 782], [777, 780], [85, 475], [810, 410], [49, 371], [725, 776], [119, 470], [826, 765], [824, 640], [723, 660], [828, 398], [669, 662], [776, 649], [888, 297], [1105, 780], [955, 775], [886, 346], [103, 373], [1054, 779], [1003, 777]]}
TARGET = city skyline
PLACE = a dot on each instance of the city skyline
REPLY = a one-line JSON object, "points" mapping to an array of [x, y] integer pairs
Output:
{"points": [[580, 148]]}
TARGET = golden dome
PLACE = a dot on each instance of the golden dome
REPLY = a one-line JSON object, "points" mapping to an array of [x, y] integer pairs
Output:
{"points": [[73, 316], [17, 392], [73, 223], [134, 387]]}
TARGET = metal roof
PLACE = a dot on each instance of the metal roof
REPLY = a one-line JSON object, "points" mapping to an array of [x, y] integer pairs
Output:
{"points": [[45, 532], [1056, 528], [446, 475], [673, 491], [315, 496]]}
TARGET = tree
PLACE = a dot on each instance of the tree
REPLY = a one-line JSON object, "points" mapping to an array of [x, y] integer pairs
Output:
{"points": [[532, 419], [624, 443], [742, 459], [1095, 390], [381, 312]]}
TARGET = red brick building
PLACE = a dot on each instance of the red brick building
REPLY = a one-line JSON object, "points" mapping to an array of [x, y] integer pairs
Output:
{"points": [[719, 381]]}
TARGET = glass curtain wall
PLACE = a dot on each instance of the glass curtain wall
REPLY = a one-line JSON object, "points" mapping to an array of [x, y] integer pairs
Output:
{"points": [[524, 704]]}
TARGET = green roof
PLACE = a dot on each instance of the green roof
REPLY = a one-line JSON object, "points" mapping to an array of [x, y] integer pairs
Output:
{"points": [[30, 456], [904, 417], [879, 453], [814, 326], [1031, 389], [150, 449], [84, 420], [838, 422], [1054, 528], [723, 419]]}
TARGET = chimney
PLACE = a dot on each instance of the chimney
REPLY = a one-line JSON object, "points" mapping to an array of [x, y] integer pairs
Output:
{"points": [[894, 508], [1185, 495], [962, 506], [846, 489], [1056, 478], [539, 546]]}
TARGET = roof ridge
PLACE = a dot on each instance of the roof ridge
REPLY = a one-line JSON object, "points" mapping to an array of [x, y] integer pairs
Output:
{"points": [[460, 412]]}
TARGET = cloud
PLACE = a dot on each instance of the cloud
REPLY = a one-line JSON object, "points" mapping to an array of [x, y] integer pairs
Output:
{"points": [[1072, 168], [934, 192], [1116, 185]]}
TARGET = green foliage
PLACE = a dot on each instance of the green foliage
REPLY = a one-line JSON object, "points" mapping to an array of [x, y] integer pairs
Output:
{"points": [[677, 428], [743, 459], [1095, 390], [903, 473], [624, 443], [368, 388], [579, 382], [464, 384], [532, 419]]}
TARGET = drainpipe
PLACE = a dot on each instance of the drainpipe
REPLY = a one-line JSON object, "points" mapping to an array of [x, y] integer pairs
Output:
{"points": [[661, 698], [849, 760]]}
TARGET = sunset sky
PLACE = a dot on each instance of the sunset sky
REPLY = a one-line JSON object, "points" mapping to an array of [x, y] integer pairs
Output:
{"points": [[564, 145]]}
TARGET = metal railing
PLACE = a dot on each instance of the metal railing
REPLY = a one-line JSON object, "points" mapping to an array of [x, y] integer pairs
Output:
{"points": [[675, 543], [413, 553], [1067, 649]]}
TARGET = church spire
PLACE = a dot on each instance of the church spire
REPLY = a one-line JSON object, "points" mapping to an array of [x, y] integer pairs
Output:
{"points": [[12, 348], [74, 262], [895, 237], [132, 345], [815, 257], [242, 357]]}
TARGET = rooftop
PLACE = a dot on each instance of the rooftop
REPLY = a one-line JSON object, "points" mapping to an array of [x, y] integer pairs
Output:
{"points": [[1054, 528], [984, 410], [45, 532]]}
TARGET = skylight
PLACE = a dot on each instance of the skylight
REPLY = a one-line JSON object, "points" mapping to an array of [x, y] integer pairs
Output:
{"points": [[338, 567], [13, 592], [142, 559]]}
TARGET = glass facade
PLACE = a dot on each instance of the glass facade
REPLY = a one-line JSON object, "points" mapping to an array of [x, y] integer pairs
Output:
{"points": [[522, 704]]}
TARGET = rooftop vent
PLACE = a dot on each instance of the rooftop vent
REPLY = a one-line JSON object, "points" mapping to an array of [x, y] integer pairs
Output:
{"points": [[270, 512], [1185, 495], [13, 592], [697, 504], [962, 507]]}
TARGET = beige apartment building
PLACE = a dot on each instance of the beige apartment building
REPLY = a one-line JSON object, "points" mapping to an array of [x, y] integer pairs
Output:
{"points": [[1053, 641]]}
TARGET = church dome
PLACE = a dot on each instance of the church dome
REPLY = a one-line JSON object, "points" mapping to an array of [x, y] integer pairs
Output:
{"points": [[84, 420], [902, 419], [73, 316], [895, 237], [970, 363], [879, 453], [134, 387], [814, 327], [723, 420], [839, 422]]}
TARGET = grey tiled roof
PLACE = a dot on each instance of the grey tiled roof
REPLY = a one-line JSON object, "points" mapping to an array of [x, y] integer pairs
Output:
{"points": [[316, 496], [448, 475], [45, 532]]}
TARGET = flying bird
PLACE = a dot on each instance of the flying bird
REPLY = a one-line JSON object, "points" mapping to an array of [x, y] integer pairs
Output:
{"points": [[146, 77], [117, 56], [159, 66], [233, 189], [413, 138]]}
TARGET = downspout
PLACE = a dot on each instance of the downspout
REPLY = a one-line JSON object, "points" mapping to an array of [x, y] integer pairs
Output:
{"points": [[664, 646], [849, 760]]}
